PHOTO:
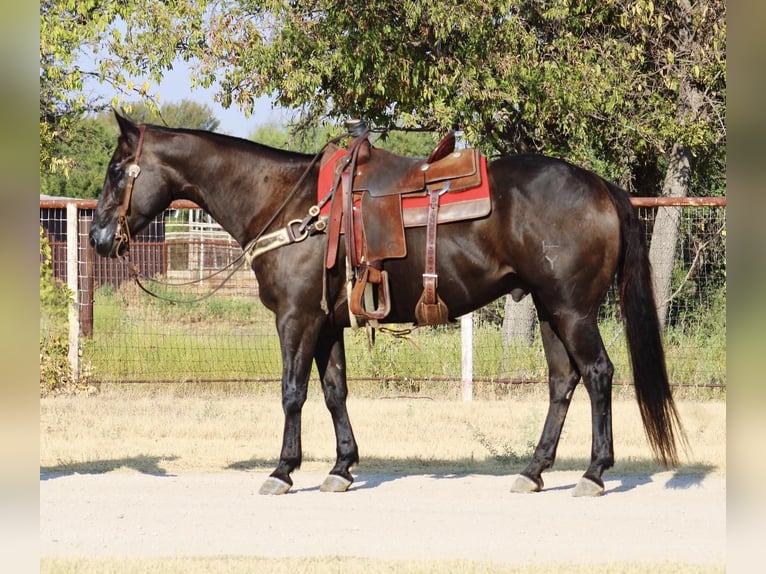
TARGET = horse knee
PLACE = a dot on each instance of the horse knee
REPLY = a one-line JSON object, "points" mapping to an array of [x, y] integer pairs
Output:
{"points": [[292, 402]]}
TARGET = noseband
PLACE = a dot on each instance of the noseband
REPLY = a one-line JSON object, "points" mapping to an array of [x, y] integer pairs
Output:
{"points": [[122, 233]]}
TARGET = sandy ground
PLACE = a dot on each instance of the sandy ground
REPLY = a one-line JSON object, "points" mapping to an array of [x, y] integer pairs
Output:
{"points": [[663, 517]]}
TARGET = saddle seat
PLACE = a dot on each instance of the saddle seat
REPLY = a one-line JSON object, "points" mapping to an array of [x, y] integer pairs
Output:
{"points": [[381, 173], [388, 192]]}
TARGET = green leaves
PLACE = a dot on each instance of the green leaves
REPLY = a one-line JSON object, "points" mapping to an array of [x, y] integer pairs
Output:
{"points": [[603, 83], [127, 44], [83, 150]]}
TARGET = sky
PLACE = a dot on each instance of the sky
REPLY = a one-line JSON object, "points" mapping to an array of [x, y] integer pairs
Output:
{"points": [[176, 86]]}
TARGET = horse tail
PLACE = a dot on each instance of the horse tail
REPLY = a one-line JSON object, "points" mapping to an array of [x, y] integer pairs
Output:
{"points": [[655, 400]]}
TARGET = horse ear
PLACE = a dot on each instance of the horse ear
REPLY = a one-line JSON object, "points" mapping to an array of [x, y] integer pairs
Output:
{"points": [[128, 129]]}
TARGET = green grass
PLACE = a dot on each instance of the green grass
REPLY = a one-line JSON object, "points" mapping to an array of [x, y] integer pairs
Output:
{"points": [[234, 339]]}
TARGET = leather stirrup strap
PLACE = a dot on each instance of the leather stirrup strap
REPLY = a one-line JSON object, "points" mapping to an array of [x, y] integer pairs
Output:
{"points": [[430, 309], [347, 182], [348, 214], [342, 208], [333, 227], [430, 278]]}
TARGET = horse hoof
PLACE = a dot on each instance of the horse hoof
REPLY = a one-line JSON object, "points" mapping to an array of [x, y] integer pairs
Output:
{"points": [[274, 486], [587, 487], [524, 485], [335, 483]]}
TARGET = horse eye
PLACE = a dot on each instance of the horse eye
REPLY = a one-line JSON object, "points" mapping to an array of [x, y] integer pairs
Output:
{"points": [[115, 173]]}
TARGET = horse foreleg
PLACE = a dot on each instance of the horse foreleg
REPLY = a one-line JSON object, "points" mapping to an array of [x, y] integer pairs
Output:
{"points": [[298, 341], [331, 363], [562, 380]]}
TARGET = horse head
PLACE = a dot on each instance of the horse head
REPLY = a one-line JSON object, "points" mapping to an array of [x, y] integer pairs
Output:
{"points": [[137, 187]]}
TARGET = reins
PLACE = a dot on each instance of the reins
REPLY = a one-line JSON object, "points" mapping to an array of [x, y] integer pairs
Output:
{"points": [[262, 243]]}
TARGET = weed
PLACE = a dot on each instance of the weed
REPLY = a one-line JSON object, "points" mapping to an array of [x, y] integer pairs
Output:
{"points": [[503, 454]]}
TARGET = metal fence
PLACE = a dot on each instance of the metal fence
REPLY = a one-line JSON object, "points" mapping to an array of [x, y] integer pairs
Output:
{"points": [[120, 334]]}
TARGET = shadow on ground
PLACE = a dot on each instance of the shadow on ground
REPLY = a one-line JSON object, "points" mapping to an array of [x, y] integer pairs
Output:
{"points": [[143, 464], [373, 472]]}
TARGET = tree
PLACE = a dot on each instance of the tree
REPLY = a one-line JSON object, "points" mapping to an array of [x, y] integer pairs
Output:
{"points": [[598, 83], [89, 141], [306, 141], [87, 145], [595, 82], [183, 114], [635, 91], [418, 144], [519, 321], [407, 64], [127, 44], [684, 52], [632, 90]]}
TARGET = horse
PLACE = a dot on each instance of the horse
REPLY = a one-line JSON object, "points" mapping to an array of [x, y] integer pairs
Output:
{"points": [[556, 232]]}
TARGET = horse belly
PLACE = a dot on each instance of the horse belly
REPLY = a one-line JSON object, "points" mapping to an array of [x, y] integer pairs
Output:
{"points": [[470, 274]]}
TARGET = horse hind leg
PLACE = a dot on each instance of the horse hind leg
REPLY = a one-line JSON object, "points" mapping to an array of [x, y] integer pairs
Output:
{"points": [[331, 362], [562, 380], [598, 382], [583, 339]]}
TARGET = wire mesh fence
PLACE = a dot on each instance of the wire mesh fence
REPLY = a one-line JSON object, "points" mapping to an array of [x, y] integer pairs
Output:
{"points": [[124, 335]]}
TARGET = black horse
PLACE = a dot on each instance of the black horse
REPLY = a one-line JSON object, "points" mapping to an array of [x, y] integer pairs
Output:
{"points": [[555, 231]]}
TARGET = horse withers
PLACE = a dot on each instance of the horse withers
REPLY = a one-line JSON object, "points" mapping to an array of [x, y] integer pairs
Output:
{"points": [[555, 231]]}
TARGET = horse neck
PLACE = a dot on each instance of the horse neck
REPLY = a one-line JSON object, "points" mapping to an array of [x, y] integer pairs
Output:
{"points": [[241, 184]]}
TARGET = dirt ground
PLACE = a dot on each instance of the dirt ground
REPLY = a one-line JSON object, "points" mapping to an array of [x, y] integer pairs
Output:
{"points": [[663, 517]]}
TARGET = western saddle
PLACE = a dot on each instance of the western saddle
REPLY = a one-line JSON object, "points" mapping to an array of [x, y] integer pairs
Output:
{"points": [[369, 207]]}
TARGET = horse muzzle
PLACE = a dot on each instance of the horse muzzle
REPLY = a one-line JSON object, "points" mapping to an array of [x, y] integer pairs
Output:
{"points": [[109, 240]]}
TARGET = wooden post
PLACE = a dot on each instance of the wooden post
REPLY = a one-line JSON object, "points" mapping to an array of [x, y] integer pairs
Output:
{"points": [[85, 293], [72, 232], [466, 363]]}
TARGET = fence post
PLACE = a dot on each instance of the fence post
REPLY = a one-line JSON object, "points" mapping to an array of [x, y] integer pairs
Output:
{"points": [[85, 274], [466, 362], [72, 233]]}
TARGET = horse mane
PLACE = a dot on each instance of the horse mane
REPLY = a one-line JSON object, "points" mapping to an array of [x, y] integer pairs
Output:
{"points": [[237, 142]]}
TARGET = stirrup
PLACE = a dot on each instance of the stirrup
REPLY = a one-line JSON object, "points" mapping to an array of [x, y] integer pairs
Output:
{"points": [[362, 294]]}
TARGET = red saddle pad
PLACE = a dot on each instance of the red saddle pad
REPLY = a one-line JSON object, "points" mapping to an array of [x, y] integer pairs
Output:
{"points": [[467, 204]]}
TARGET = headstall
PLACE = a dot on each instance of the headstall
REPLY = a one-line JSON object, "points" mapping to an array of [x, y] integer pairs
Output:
{"points": [[122, 233]]}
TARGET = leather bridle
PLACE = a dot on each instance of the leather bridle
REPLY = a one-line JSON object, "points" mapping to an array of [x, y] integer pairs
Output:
{"points": [[122, 233]]}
